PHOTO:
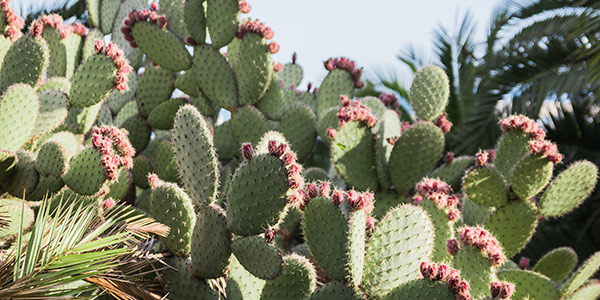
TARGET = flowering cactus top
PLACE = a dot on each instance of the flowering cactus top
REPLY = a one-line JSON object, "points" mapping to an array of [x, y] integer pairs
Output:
{"points": [[348, 65], [118, 58], [546, 149], [480, 238], [103, 139], [439, 192], [142, 16], [433, 272], [260, 29], [352, 110], [14, 23], [502, 290], [524, 124], [443, 123], [55, 21]]}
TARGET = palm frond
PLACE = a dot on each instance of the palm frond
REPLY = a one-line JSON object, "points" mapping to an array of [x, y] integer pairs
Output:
{"points": [[74, 244]]}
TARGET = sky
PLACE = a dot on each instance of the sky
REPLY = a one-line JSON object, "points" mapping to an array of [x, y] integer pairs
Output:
{"points": [[370, 32]]}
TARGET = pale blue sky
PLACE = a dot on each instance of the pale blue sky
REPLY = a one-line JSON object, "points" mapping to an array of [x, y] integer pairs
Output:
{"points": [[370, 32]]}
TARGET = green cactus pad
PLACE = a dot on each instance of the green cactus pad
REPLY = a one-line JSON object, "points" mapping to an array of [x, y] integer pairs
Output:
{"points": [[339, 250], [195, 155], [86, 174], [291, 74], [93, 81], [475, 269], [15, 210], [444, 230], [93, 7], [429, 92], [337, 83], [531, 175], [263, 146], [8, 161], [186, 82], [58, 57], [141, 168], [453, 173], [170, 205], [353, 156], [226, 145], [315, 174], [134, 55], [250, 207], [204, 106], [253, 68], [290, 97], [52, 159], [421, 289], [67, 140], [386, 200], [104, 115], [195, 20], [329, 119], [590, 291], [485, 186], [242, 284], [108, 12], [155, 87], [139, 132], [296, 282], [215, 76], [399, 243], [513, 225], [25, 62], [117, 98], [128, 110], [260, 258], [55, 83], [389, 127], [530, 285], [164, 162], [309, 99], [474, 214], [24, 178], [182, 285], [585, 271], [120, 188], [92, 36], [162, 116], [222, 21], [512, 147], [80, 120], [248, 124], [5, 44], [271, 104], [570, 188], [19, 108], [414, 154], [377, 110], [210, 243], [298, 124], [174, 11], [161, 46], [335, 290], [557, 264]]}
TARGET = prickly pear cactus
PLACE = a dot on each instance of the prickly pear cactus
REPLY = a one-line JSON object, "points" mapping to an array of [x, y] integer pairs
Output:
{"points": [[272, 190]]}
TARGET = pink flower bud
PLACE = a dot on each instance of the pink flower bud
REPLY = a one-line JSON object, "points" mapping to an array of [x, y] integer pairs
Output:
{"points": [[449, 158], [495, 288], [332, 133], [154, 6], [269, 234], [507, 290], [277, 67], [481, 158], [108, 204], [524, 263], [98, 46], [391, 141], [247, 151], [295, 182], [311, 190], [452, 246], [405, 126], [288, 158], [272, 147], [273, 47], [442, 272], [281, 149], [453, 215], [324, 189], [153, 180], [370, 222], [366, 202], [337, 197], [353, 198]]}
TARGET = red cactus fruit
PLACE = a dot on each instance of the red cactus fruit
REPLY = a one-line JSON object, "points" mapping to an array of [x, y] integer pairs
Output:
{"points": [[247, 151], [524, 263], [269, 234], [452, 246]]}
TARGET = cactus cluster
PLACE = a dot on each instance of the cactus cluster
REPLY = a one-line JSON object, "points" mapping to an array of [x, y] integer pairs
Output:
{"points": [[256, 210]]}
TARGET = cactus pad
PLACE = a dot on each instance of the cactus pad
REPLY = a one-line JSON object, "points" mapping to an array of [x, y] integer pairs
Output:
{"points": [[128, 110], [291, 74], [215, 76], [453, 173], [155, 87], [421, 289], [15, 210], [141, 168], [298, 124], [162, 116], [485, 186], [253, 68], [210, 243], [251, 207], [161, 46], [222, 21], [557, 264], [166, 167], [391, 258], [353, 156], [195, 155], [531, 175], [513, 225], [25, 62], [337, 83], [93, 81], [175, 13], [530, 285], [86, 174], [271, 104], [296, 282], [587, 269], [389, 128], [19, 108], [335, 290], [182, 285], [260, 258], [120, 188], [475, 269], [590, 291], [513, 146], [248, 124], [52, 160], [242, 284], [414, 154], [139, 132], [443, 230], [225, 144], [24, 178], [429, 92], [570, 188], [195, 20], [108, 12]]}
